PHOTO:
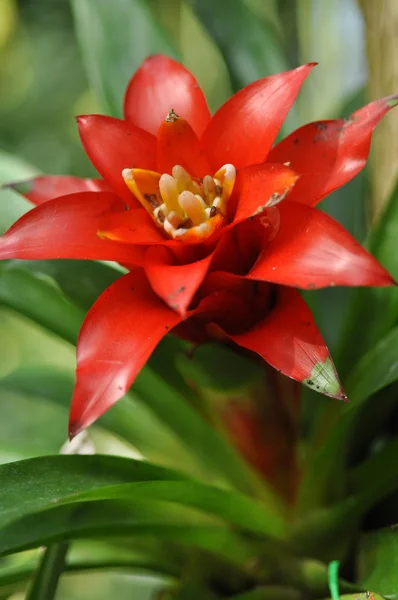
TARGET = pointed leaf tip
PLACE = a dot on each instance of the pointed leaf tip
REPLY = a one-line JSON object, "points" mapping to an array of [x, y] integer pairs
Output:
{"points": [[392, 101], [324, 379], [22, 187]]}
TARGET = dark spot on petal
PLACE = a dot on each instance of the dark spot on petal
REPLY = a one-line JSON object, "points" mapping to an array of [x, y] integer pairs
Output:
{"points": [[133, 289], [120, 387], [296, 141], [311, 286], [219, 190], [321, 126], [310, 382], [214, 211], [152, 200], [166, 327]]}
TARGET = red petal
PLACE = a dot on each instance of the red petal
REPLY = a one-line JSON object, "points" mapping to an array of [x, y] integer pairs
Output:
{"points": [[162, 84], [132, 227], [175, 284], [243, 130], [178, 145], [67, 228], [258, 187], [41, 189], [289, 340], [311, 250], [327, 154], [118, 336], [113, 145]]}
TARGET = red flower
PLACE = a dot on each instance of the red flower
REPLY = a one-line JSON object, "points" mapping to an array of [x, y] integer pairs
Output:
{"points": [[208, 255]]}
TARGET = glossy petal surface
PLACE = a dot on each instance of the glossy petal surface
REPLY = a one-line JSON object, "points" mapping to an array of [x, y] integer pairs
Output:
{"points": [[175, 284], [311, 251], [261, 186], [327, 154], [118, 336], [41, 189], [162, 84], [67, 228], [179, 145], [113, 145], [289, 340], [243, 130]]}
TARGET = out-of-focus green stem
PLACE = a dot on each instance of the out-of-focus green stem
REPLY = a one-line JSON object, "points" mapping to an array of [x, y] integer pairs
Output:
{"points": [[51, 567], [381, 20]]}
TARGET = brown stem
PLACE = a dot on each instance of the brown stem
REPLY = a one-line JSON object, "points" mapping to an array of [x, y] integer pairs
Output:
{"points": [[381, 20]]}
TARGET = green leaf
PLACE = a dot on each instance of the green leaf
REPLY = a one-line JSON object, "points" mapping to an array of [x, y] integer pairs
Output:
{"points": [[129, 419], [248, 57], [51, 567], [216, 367], [378, 561], [37, 297], [115, 37], [376, 369], [81, 280], [73, 478], [12, 206], [273, 592], [378, 307], [107, 519]]}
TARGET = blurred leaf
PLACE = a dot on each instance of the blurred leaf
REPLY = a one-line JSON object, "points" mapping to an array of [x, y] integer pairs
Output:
{"points": [[12, 205], [216, 367], [273, 592], [81, 280], [248, 57], [199, 436], [378, 561], [115, 37], [46, 578], [377, 307], [36, 296], [106, 519], [129, 418], [376, 369]]}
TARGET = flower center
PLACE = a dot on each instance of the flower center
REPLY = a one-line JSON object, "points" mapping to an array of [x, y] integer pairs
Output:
{"points": [[187, 209]]}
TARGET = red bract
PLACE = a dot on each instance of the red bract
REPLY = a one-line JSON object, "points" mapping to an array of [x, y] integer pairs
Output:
{"points": [[216, 227]]}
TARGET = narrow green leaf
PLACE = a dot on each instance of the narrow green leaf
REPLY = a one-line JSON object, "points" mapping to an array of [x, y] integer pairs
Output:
{"points": [[37, 297], [81, 281], [248, 57], [107, 519], [115, 37], [376, 369], [51, 567], [63, 478]]}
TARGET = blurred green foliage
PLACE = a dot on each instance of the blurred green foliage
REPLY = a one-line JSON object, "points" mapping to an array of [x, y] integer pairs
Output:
{"points": [[59, 59]]}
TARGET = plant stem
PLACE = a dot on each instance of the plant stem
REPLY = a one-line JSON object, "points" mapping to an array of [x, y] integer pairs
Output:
{"points": [[50, 569]]}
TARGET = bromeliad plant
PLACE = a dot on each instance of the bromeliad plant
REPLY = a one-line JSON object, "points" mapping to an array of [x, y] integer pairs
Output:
{"points": [[217, 230]]}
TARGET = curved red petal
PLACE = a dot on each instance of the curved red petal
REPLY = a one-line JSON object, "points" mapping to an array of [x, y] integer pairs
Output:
{"points": [[132, 227], [113, 145], [47, 187], [179, 145], [117, 337], [259, 187], [312, 250], [289, 340], [162, 84], [243, 130], [66, 227], [327, 154], [175, 284]]}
